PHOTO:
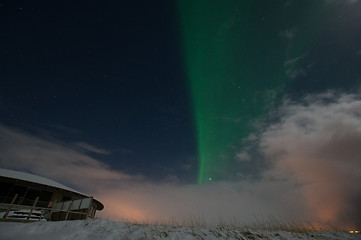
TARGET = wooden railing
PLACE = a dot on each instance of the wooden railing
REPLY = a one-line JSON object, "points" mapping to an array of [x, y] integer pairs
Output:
{"points": [[13, 211]]}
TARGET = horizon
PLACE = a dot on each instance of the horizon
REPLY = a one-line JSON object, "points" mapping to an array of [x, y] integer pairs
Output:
{"points": [[166, 108]]}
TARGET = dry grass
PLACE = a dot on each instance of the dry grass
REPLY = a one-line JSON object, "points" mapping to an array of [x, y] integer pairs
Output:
{"points": [[253, 223]]}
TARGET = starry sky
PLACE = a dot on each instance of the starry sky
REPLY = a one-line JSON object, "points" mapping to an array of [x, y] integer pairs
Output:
{"points": [[214, 105], [110, 75]]}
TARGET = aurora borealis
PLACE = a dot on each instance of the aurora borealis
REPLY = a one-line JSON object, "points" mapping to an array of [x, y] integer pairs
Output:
{"points": [[238, 55], [169, 107]]}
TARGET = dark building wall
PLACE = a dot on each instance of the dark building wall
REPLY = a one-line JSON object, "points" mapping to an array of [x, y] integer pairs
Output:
{"points": [[29, 193]]}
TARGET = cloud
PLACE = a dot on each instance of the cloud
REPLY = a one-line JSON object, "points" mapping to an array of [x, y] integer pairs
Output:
{"points": [[316, 145], [54, 159], [291, 70], [138, 198], [313, 171], [207, 203], [243, 156], [288, 34], [91, 148]]}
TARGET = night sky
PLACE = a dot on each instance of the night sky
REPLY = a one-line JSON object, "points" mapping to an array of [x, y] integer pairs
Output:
{"points": [[224, 102], [110, 75]]}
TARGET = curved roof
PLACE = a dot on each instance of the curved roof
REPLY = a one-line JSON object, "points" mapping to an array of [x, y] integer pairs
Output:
{"points": [[40, 180], [34, 178]]}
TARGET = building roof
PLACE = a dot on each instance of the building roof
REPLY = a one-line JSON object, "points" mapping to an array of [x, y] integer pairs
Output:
{"points": [[40, 180], [34, 178]]}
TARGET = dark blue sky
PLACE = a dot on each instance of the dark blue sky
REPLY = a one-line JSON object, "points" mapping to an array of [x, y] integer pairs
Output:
{"points": [[115, 99], [112, 72]]}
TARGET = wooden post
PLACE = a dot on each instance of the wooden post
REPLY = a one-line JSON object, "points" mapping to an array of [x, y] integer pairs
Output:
{"points": [[32, 208], [42, 214], [52, 209], [78, 215], [11, 205], [67, 213], [89, 208], [93, 213], [81, 201]]}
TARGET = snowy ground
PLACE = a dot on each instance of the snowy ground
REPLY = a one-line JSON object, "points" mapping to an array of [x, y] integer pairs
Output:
{"points": [[106, 229]]}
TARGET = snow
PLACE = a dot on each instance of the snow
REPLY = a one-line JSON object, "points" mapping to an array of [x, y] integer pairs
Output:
{"points": [[24, 214], [106, 229], [34, 178]]}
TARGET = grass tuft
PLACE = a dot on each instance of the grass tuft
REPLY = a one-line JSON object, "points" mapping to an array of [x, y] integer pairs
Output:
{"points": [[269, 223]]}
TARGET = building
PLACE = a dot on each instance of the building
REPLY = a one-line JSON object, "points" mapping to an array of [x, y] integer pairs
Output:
{"points": [[28, 197]]}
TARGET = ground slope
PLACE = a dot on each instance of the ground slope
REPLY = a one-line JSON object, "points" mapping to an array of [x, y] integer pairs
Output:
{"points": [[105, 229]]}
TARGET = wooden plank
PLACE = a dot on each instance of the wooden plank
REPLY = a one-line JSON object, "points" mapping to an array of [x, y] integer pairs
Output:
{"points": [[42, 214], [67, 213], [32, 208], [93, 213], [51, 211], [89, 209], [10, 206], [16, 220]]}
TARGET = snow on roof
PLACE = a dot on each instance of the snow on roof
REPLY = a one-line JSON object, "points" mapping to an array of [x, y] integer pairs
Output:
{"points": [[33, 178]]}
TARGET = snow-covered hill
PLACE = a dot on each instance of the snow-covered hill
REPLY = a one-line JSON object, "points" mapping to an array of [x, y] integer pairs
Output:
{"points": [[106, 229]]}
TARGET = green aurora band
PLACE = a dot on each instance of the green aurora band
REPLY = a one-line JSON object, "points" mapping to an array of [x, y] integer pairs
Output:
{"points": [[235, 53]]}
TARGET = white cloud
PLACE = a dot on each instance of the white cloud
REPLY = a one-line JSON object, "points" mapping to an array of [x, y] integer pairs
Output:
{"points": [[207, 202], [316, 145], [91, 148], [243, 156], [291, 70], [140, 199], [289, 34], [53, 159], [313, 152]]}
